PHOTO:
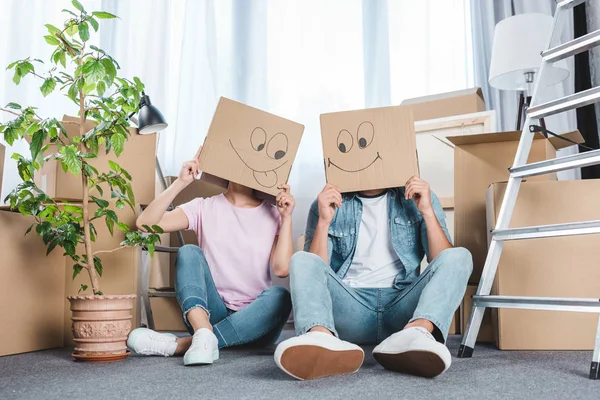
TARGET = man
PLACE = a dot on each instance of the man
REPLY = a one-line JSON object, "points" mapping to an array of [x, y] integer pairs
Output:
{"points": [[358, 282]]}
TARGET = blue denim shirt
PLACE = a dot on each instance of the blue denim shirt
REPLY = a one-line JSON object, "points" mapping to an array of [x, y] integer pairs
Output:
{"points": [[409, 233]]}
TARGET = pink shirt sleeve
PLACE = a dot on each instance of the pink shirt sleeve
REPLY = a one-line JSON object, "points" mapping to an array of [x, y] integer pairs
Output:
{"points": [[193, 211]]}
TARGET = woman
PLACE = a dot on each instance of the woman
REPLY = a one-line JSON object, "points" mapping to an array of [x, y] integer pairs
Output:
{"points": [[223, 286]]}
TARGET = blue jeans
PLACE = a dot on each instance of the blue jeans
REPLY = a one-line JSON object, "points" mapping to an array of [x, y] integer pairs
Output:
{"points": [[259, 323], [369, 315]]}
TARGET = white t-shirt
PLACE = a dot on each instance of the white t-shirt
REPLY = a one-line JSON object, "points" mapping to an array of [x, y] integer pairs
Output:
{"points": [[375, 263]]}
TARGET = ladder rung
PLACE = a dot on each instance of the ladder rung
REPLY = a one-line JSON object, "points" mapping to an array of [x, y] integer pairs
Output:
{"points": [[566, 4], [576, 100], [572, 47], [161, 293], [557, 164], [544, 231], [538, 303]]}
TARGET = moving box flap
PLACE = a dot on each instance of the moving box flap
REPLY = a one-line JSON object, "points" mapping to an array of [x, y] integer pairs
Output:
{"points": [[489, 138], [369, 149], [559, 143], [442, 96], [249, 146]]}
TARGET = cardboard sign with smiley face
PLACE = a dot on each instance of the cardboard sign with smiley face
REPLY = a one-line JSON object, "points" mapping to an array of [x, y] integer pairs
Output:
{"points": [[369, 149], [251, 147]]}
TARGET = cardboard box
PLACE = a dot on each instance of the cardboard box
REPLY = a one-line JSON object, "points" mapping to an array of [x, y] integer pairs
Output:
{"points": [[250, 147], [32, 289], [121, 268], [479, 161], [2, 156], [486, 331], [138, 158], [442, 105], [369, 149], [455, 327], [553, 267], [167, 314]]}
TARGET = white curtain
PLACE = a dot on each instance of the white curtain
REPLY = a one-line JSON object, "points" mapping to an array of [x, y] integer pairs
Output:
{"points": [[294, 58]]}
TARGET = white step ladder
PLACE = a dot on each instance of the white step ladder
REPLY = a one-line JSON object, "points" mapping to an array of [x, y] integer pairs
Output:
{"points": [[520, 170]]}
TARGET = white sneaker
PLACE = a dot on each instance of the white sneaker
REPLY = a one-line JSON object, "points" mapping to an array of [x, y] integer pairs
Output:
{"points": [[413, 351], [204, 348], [317, 354], [147, 342]]}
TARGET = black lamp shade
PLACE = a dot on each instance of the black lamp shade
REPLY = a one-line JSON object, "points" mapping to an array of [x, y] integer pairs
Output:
{"points": [[150, 119]]}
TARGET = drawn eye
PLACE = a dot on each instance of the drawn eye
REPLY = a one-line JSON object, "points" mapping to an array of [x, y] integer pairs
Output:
{"points": [[345, 141], [258, 138], [278, 146], [366, 131]]}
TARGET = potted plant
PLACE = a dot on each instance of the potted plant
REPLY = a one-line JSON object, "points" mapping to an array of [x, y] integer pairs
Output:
{"points": [[89, 77]]}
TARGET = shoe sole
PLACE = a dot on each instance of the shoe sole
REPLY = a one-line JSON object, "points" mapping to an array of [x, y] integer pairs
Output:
{"points": [[200, 359], [420, 363], [311, 362]]}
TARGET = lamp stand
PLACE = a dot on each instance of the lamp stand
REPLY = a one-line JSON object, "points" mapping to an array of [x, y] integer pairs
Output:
{"points": [[525, 102]]}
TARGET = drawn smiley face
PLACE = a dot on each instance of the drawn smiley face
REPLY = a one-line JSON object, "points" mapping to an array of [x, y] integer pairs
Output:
{"points": [[274, 151], [365, 134]]}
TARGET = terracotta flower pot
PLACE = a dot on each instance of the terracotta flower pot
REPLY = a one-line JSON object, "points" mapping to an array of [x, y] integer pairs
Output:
{"points": [[101, 325]]}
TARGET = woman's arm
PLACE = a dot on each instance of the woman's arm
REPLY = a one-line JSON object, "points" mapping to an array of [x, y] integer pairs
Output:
{"points": [[156, 213], [283, 245]]}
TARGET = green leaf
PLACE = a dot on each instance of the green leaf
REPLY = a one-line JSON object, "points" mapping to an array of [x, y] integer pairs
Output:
{"points": [[99, 189], [99, 293], [77, 5], [100, 202], [76, 270], [52, 40], [101, 88], [72, 28], [114, 166], [103, 15], [29, 229], [157, 229], [126, 174], [84, 31], [110, 214], [94, 23], [110, 69], [93, 71], [52, 29], [150, 247], [118, 141], [98, 265], [73, 209], [119, 204], [110, 224], [37, 142], [73, 93], [52, 245], [48, 86], [14, 106], [62, 58], [83, 288], [71, 160], [123, 226], [138, 83]]}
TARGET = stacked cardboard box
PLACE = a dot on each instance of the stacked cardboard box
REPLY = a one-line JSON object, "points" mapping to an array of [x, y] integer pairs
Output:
{"points": [[32, 287], [165, 310], [138, 158], [448, 104], [564, 267], [479, 161]]}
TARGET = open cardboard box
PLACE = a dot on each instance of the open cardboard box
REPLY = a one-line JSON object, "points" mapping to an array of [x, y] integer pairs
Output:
{"points": [[447, 104], [479, 161], [366, 149], [565, 267], [249, 146], [32, 287], [138, 158]]}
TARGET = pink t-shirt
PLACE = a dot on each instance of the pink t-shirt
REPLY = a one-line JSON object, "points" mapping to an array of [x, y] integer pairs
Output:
{"points": [[237, 244]]}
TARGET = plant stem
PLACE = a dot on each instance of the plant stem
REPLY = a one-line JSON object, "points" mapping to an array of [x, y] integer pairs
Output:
{"points": [[86, 197], [110, 251], [10, 112]]}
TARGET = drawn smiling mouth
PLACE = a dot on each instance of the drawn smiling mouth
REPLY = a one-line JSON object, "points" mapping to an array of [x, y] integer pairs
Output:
{"points": [[266, 178], [330, 163]]}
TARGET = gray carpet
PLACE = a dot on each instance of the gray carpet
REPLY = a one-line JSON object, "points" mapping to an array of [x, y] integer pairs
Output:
{"points": [[252, 374]]}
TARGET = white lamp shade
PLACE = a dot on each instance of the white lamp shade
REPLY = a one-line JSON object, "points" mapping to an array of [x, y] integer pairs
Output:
{"points": [[518, 42]]}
